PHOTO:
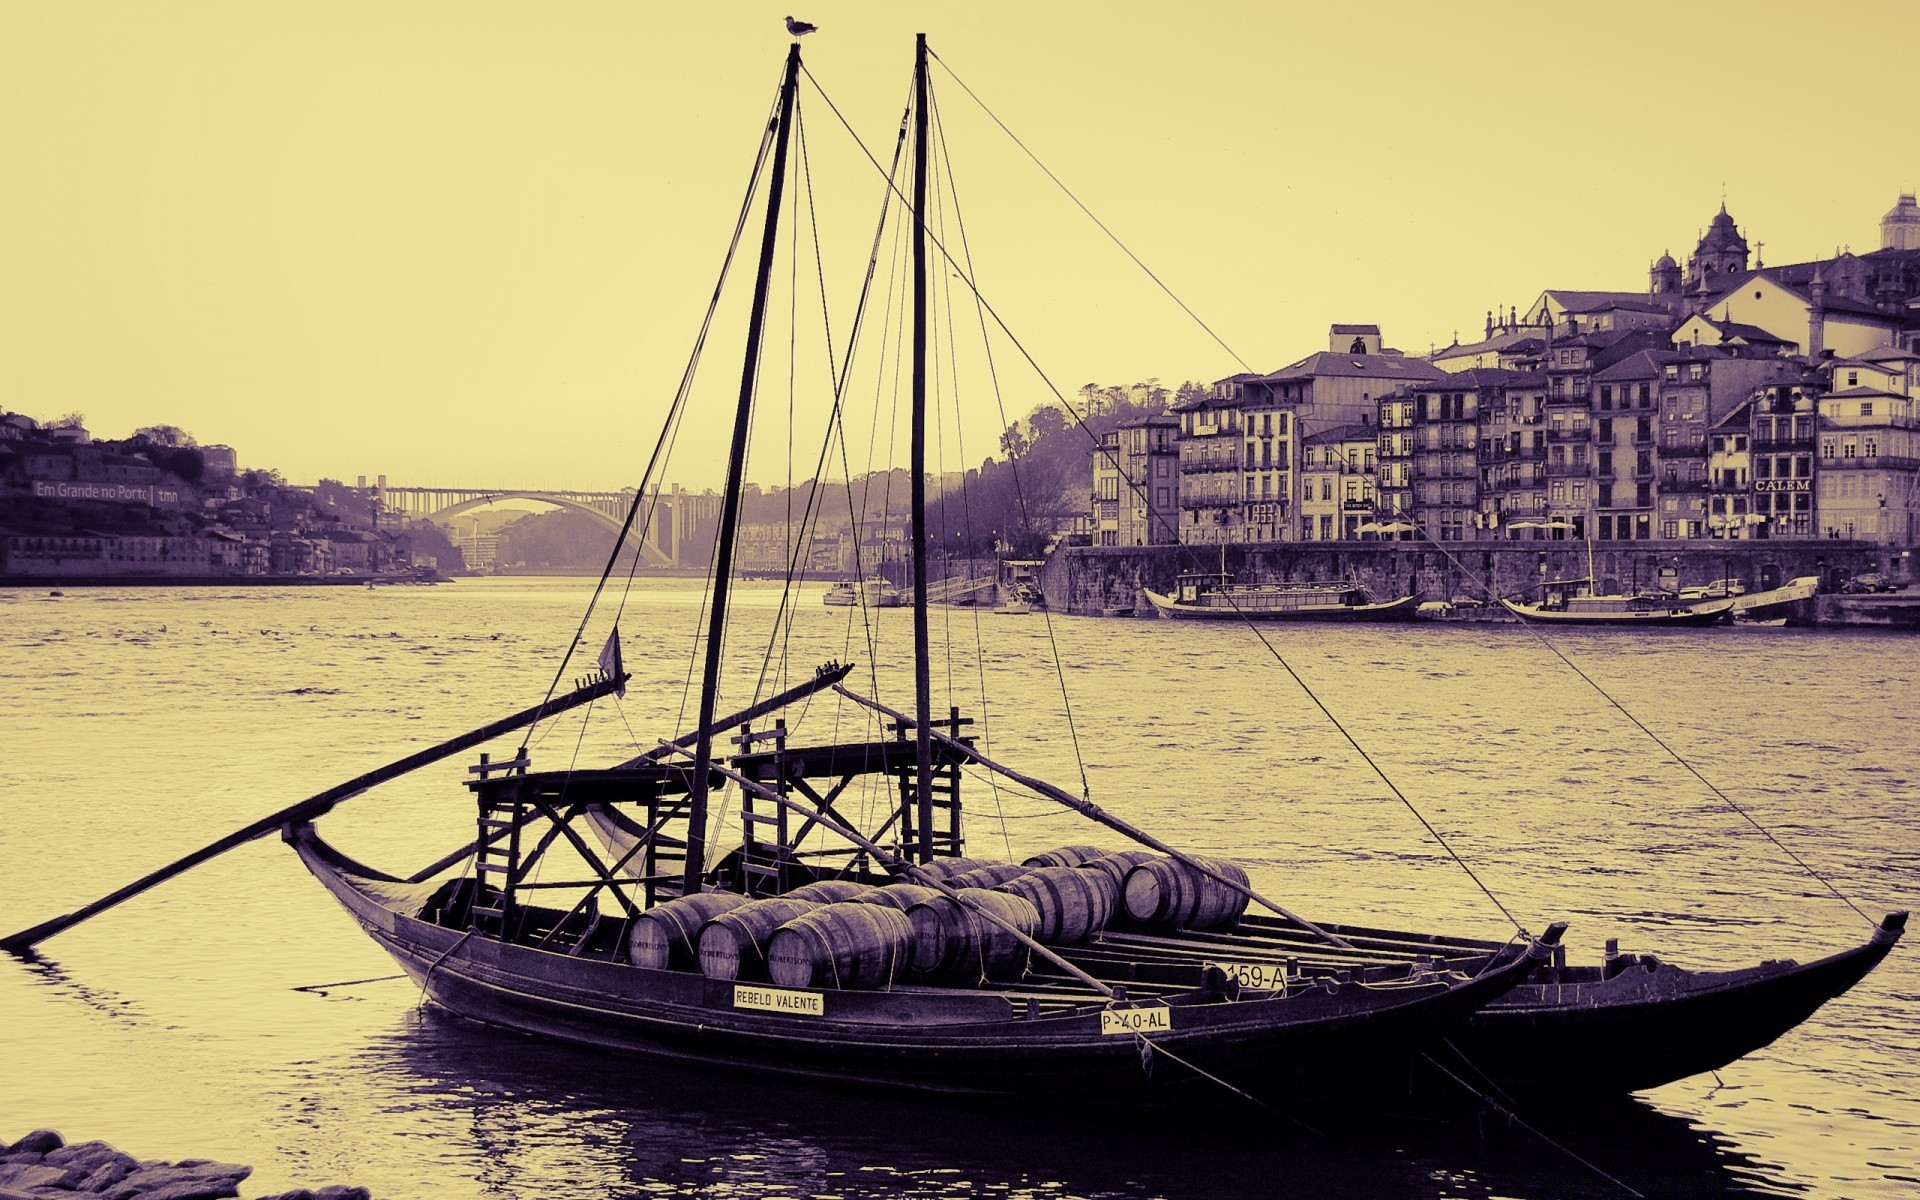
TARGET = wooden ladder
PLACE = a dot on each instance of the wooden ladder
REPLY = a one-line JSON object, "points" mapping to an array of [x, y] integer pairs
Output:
{"points": [[943, 789], [495, 863]]}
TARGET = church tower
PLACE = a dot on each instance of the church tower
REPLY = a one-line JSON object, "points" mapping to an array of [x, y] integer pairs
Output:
{"points": [[1665, 276], [1721, 255], [1900, 228]]}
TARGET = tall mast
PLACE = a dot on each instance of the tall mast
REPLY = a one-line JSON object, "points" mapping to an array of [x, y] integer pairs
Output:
{"points": [[922, 684], [730, 501]]}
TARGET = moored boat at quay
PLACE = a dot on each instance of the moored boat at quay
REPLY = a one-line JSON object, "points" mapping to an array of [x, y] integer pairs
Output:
{"points": [[1572, 602], [1214, 596]]}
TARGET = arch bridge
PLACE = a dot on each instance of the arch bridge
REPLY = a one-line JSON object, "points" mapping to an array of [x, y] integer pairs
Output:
{"points": [[442, 505]]}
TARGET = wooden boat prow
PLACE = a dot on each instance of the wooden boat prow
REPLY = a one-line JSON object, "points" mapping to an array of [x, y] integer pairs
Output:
{"points": [[1638, 1022]]}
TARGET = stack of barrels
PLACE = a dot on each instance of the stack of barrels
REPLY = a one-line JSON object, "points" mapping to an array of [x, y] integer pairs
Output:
{"points": [[843, 934]]}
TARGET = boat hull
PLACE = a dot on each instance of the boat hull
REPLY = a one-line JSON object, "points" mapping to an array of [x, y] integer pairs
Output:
{"points": [[1652, 1023], [1401, 609], [1714, 612], [949, 1041]]}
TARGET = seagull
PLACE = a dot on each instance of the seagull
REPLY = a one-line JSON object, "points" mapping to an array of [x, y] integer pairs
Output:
{"points": [[800, 28]]}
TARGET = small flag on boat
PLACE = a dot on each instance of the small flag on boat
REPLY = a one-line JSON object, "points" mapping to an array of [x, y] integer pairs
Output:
{"points": [[610, 660]]}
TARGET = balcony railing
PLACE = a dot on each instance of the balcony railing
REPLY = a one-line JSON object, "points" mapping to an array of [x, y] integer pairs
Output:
{"points": [[1568, 433], [1562, 470]]}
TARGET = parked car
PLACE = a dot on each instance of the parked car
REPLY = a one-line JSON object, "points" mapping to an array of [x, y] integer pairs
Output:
{"points": [[1869, 581]]}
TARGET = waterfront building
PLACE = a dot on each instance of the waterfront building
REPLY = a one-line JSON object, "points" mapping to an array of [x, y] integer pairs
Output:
{"points": [[1869, 449], [1512, 457], [1393, 470], [1730, 475], [1240, 444], [1337, 483], [1136, 483], [1625, 411], [1447, 472], [1780, 451], [1209, 456]]}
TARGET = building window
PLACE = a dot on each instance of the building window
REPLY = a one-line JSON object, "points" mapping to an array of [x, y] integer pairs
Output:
{"points": [[1873, 447], [1866, 408], [1826, 448], [1849, 448]]}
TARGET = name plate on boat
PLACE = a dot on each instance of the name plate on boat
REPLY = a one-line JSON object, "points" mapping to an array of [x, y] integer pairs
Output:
{"points": [[1156, 1018], [780, 1000], [1265, 977]]}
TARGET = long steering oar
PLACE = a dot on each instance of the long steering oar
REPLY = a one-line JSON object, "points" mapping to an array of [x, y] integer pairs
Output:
{"points": [[313, 806], [1094, 812]]}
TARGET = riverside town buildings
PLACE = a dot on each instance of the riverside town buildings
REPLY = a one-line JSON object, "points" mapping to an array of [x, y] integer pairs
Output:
{"points": [[1729, 401]]}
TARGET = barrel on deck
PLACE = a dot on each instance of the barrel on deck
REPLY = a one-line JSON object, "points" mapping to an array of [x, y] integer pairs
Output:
{"points": [[667, 935], [1116, 865], [952, 941], [1064, 856], [1165, 891], [986, 877], [1073, 904], [829, 891], [846, 945], [947, 868], [901, 896], [733, 945]]}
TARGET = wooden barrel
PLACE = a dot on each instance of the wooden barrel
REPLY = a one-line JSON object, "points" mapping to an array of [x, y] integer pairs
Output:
{"points": [[1116, 865], [829, 891], [986, 877], [947, 868], [847, 945], [1065, 856], [1164, 891], [733, 945], [1073, 904], [950, 941], [666, 936], [902, 896]]}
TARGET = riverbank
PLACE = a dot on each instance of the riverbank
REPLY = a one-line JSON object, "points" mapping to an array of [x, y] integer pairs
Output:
{"points": [[49, 583], [42, 1165]]}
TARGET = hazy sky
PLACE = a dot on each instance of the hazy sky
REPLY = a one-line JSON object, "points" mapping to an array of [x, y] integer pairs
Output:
{"points": [[469, 243]]}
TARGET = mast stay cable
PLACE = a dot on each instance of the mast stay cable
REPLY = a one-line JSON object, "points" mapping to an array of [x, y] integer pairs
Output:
{"points": [[669, 431], [1484, 583], [1351, 740]]}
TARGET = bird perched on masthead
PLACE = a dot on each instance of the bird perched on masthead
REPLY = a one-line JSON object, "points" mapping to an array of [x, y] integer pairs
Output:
{"points": [[799, 28]]}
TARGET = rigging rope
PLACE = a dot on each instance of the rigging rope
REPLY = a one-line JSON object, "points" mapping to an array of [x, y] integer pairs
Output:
{"points": [[1510, 1115], [1013, 459], [1634, 720], [1486, 585], [1089, 212], [987, 307], [663, 445]]}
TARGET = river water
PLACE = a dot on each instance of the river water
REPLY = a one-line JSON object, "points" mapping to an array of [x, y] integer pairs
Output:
{"points": [[136, 724]]}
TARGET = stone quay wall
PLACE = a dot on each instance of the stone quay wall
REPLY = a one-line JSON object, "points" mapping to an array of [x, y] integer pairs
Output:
{"points": [[1088, 579]]}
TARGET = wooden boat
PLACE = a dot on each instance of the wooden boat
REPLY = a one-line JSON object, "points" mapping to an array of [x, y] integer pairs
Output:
{"points": [[923, 976], [1204, 596], [1139, 1008], [1571, 602], [1629, 1023]]}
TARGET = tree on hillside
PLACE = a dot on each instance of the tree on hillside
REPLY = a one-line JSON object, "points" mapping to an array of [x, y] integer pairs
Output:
{"points": [[164, 435]]}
